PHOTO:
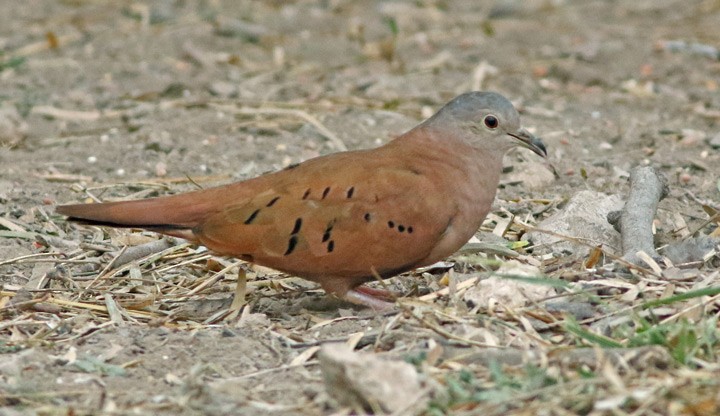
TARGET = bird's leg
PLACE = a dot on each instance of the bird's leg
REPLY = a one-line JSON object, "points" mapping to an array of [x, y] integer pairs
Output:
{"points": [[378, 293], [360, 297]]}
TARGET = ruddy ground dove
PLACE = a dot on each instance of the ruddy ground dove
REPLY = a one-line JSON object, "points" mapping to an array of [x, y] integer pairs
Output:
{"points": [[343, 219]]}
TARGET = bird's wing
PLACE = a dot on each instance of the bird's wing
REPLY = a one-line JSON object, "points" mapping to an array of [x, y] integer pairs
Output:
{"points": [[383, 220]]}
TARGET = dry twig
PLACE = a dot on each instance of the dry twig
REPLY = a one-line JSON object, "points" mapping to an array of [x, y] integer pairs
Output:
{"points": [[647, 187]]}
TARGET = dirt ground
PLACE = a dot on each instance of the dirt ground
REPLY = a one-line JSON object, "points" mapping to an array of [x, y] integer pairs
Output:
{"points": [[132, 99]]}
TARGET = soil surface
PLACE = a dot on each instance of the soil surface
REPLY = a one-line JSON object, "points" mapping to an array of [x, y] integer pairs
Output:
{"points": [[133, 99]]}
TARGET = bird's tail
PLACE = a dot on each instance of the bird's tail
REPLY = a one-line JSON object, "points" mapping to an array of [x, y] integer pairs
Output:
{"points": [[174, 215]]}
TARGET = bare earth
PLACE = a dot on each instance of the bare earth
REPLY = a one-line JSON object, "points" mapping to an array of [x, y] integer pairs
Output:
{"points": [[107, 100]]}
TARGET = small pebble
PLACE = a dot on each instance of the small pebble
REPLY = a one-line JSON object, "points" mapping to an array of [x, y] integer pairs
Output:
{"points": [[714, 141], [684, 177], [279, 56], [160, 169], [223, 89], [540, 71], [692, 137], [210, 140]]}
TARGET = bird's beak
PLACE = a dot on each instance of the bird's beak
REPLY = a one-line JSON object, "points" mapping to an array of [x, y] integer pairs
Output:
{"points": [[528, 141]]}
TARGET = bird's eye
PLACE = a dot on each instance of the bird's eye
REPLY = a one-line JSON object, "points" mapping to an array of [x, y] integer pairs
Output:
{"points": [[491, 122]]}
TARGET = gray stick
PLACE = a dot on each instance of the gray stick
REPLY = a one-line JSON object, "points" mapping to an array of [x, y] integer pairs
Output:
{"points": [[634, 223]]}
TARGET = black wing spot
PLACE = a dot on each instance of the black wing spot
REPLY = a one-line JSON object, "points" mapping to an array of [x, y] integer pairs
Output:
{"points": [[331, 246], [367, 216], [350, 192], [298, 225], [401, 228], [272, 201], [306, 194], [328, 231], [325, 192], [391, 224], [252, 216], [410, 230], [292, 242]]}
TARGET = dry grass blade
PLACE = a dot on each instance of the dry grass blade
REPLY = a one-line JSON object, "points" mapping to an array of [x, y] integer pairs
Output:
{"points": [[239, 299], [143, 250], [214, 279], [99, 308], [27, 257]]}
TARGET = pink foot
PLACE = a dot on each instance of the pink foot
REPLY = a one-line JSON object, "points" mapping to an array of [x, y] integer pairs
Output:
{"points": [[377, 293], [360, 296]]}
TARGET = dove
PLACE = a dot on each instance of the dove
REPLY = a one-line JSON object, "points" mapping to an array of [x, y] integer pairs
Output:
{"points": [[348, 218]]}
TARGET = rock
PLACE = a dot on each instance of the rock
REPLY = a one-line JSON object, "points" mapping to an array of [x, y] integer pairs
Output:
{"points": [[714, 141], [584, 217], [533, 175], [13, 128], [691, 250], [8, 190], [258, 321], [579, 310], [508, 292], [691, 137], [15, 367], [224, 89], [365, 381]]}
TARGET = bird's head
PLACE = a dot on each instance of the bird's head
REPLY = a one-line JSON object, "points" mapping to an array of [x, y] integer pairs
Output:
{"points": [[488, 121]]}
